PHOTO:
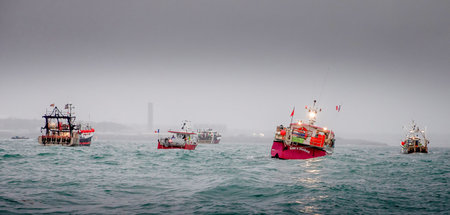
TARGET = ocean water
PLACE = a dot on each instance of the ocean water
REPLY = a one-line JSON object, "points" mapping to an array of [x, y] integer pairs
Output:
{"points": [[118, 177]]}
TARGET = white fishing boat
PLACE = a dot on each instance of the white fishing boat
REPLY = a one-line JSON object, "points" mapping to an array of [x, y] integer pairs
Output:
{"points": [[415, 140], [208, 136]]}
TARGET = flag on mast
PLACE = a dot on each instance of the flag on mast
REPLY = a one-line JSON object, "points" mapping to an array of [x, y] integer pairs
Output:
{"points": [[292, 115]]}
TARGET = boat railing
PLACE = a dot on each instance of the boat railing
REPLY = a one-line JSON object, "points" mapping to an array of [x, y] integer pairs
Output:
{"points": [[300, 135]]}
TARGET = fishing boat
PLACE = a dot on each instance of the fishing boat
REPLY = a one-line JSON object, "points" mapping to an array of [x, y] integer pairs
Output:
{"points": [[20, 138], [303, 140], [208, 136], [182, 139], [61, 128], [415, 140]]}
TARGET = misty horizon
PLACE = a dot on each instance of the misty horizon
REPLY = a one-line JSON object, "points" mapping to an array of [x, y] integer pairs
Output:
{"points": [[241, 64]]}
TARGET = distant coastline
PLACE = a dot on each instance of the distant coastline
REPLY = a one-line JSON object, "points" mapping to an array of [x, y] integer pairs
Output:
{"points": [[111, 130]]}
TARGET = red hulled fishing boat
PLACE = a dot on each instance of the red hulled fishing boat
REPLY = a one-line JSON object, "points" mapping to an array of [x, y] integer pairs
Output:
{"points": [[303, 140], [184, 139]]}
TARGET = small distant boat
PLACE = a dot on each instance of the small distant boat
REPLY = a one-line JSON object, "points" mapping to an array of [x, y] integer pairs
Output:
{"points": [[61, 129], [20, 138], [415, 140], [303, 140], [208, 136], [183, 139]]}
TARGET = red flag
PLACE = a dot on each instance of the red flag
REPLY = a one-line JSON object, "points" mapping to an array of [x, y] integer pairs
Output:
{"points": [[52, 105], [292, 114]]}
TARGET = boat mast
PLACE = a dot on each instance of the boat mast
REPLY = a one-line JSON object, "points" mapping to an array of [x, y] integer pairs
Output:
{"points": [[312, 113], [186, 125], [70, 118]]}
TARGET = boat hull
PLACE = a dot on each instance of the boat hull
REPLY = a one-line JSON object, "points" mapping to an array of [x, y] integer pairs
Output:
{"points": [[186, 146], [414, 149], [279, 150], [76, 140], [208, 141], [19, 138], [85, 141]]}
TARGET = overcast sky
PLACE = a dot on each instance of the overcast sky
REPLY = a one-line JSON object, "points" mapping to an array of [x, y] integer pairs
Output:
{"points": [[240, 63]]}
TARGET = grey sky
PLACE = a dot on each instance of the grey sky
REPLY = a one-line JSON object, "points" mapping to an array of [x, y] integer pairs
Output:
{"points": [[241, 63]]}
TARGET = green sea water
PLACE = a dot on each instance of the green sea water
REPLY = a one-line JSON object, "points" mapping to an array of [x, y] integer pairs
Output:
{"points": [[133, 177]]}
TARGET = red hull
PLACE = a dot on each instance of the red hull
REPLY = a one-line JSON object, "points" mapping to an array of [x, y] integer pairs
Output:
{"points": [[186, 146], [85, 143], [295, 152]]}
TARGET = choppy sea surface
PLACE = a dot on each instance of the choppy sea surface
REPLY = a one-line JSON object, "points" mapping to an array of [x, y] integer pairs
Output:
{"points": [[118, 177]]}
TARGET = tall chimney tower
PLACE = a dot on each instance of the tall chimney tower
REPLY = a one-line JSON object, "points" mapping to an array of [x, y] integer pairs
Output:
{"points": [[150, 116]]}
